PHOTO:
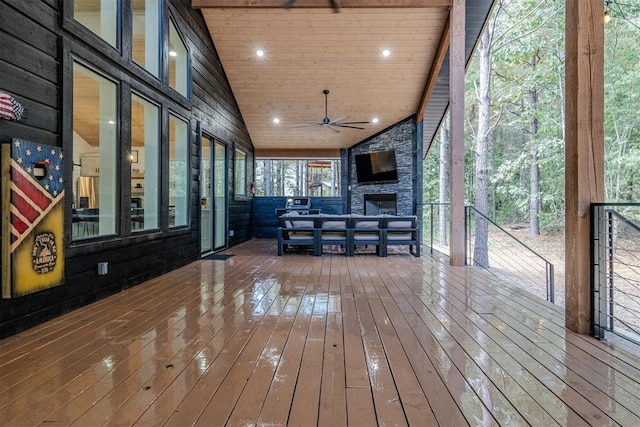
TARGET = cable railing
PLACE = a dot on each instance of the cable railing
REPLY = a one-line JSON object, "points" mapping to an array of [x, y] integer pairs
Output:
{"points": [[506, 256], [494, 249], [435, 227], [616, 269]]}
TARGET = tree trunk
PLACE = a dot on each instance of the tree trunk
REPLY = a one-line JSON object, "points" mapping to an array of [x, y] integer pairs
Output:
{"points": [[534, 198], [443, 194], [267, 178], [481, 253]]}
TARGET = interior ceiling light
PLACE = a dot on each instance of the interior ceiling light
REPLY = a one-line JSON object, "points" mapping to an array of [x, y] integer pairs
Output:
{"points": [[374, 120], [173, 53], [386, 52], [260, 52], [276, 120]]}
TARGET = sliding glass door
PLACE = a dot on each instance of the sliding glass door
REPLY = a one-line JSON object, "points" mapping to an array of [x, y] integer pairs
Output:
{"points": [[220, 195], [213, 196]]}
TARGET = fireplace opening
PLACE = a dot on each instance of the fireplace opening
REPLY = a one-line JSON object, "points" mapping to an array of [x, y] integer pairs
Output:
{"points": [[380, 204]]}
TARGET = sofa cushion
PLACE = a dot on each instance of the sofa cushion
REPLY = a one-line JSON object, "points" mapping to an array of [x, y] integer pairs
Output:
{"points": [[367, 224], [334, 224], [399, 236], [298, 235], [366, 236], [400, 224]]}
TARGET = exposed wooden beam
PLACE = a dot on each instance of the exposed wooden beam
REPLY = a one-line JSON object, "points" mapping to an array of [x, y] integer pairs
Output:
{"points": [[435, 71], [320, 3], [456, 152], [584, 148]]}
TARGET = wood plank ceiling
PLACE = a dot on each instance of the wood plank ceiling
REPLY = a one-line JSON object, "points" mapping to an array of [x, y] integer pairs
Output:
{"points": [[308, 49]]}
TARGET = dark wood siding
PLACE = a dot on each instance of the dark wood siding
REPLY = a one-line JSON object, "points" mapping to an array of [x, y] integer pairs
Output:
{"points": [[38, 43]]}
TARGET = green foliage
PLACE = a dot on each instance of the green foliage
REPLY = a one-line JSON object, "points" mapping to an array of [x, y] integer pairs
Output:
{"points": [[528, 58]]}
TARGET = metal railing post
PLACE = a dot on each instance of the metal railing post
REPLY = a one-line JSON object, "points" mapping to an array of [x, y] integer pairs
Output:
{"points": [[550, 284], [609, 267], [599, 287], [467, 236], [431, 230]]}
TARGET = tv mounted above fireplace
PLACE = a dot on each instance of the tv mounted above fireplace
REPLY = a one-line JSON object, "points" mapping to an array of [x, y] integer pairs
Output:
{"points": [[376, 168]]}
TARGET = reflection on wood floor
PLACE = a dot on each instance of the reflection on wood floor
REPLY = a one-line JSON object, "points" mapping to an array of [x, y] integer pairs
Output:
{"points": [[302, 340]]}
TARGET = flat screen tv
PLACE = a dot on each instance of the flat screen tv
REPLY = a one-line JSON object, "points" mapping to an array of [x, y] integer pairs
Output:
{"points": [[376, 168]]}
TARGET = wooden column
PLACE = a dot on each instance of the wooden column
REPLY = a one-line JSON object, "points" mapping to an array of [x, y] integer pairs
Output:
{"points": [[584, 149], [456, 111]]}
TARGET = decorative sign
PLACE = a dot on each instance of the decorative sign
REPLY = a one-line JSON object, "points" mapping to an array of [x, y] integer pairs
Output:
{"points": [[32, 218]]}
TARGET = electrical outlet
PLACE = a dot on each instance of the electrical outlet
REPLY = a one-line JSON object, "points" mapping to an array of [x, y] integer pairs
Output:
{"points": [[103, 268]]}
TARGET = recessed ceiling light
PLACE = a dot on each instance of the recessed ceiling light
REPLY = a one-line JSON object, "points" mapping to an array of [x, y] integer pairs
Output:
{"points": [[386, 52], [276, 120], [111, 122], [260, 52], [375, 120], [173, 53]]}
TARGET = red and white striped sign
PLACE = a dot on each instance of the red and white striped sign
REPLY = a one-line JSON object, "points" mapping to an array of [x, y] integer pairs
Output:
{"points": [[31, 198], [10, 109]]}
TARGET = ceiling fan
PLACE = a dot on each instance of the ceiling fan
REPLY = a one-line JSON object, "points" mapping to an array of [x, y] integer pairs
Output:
{"points": [[335, 5], [333, 124]]}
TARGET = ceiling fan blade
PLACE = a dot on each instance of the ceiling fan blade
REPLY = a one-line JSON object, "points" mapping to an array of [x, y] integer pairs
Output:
{"points": [[307, 125], [354, 123], [339, 119], [332, 128], [345, 126]]}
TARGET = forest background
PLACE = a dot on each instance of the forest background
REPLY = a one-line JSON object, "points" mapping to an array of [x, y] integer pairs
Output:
{"points": [[515, 97]]}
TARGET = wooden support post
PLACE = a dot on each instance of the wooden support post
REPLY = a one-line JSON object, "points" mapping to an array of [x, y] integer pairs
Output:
{"points": [[584, 149], [456, 111]]}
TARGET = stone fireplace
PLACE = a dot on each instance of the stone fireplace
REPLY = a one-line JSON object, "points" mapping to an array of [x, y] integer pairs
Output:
{"points": [[400, 138], [380, 204]]}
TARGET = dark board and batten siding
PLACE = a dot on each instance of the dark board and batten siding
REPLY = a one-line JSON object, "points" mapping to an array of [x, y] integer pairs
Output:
{"points": [[38, 44], [266, 220]]}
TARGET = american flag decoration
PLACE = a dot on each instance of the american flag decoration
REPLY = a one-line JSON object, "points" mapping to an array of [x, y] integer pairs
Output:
{"points": [[32, 245], [33, 196], [10, 109]]}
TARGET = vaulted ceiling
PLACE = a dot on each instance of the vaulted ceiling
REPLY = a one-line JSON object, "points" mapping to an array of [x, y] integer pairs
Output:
{"points": [[308, 49]]}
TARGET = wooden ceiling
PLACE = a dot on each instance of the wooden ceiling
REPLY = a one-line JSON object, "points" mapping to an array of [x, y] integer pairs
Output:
{"points": [[308, 49]]}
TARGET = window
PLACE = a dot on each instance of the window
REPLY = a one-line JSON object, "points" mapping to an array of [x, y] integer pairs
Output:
{"points": [[298, 177], [240, 169], [95, 150], [145, 164], [145, 37], [178, 62], [100, 16], [178, 172]]}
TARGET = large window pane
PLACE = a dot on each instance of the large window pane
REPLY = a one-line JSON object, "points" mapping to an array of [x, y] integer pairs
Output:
{"points": [[146, 35], [95, 142], [298, 177], [240, 173], [178, 172], [178, 62], [100, 16], [145, 164]]}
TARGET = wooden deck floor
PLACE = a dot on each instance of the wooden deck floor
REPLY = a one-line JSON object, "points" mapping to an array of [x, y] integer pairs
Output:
{"points": [[302, 340]]}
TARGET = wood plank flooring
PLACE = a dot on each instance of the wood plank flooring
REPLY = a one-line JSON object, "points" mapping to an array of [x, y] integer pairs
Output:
{"points": [[300, 340]]}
